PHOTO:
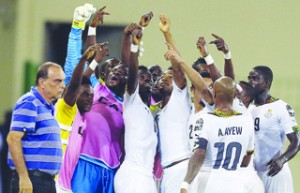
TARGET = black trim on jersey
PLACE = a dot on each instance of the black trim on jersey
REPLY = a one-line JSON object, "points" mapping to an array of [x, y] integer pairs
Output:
{"points": [[201, 143]]}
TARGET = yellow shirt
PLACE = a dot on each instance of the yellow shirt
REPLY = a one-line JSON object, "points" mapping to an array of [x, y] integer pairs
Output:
{"points": [[65, 116]]}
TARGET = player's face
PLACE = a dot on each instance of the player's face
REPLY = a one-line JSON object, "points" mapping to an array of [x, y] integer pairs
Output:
{"points": [[156, 73], [53, 86], [257, 81], [209, 82], [165, 81], [85, 99], [145, 81], [155, 87], [203, 68], [111, 63], [117, 77]]}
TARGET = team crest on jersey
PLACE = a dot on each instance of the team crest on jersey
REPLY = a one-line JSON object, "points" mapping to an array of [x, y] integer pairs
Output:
{"points": [[199, 124], [268, 114], [290, 111]]}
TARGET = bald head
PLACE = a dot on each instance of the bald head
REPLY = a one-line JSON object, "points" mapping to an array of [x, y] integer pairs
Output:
{"points": [[224, 89]]}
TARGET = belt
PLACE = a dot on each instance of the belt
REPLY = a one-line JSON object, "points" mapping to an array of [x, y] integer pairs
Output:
{"points": [[174, 163], [38, 173]]}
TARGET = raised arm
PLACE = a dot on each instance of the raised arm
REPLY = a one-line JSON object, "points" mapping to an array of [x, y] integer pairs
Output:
{"points": [[144, 22], [223, 47], [178, 72], [132, 80], [126, 42], [72, 90], [193, 75], [101, 53], [96, 20], [164, 26], [214, 71]]}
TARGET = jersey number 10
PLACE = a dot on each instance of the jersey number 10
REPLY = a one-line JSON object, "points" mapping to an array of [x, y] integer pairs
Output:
{"points": [[228, 156]]}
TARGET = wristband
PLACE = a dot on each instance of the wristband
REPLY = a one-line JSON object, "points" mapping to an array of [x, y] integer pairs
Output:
{"points": [[134, 48], [227, 56], [239, 88], [93, 65], [92, 31], [209, 60], [185, 185], [78, 24]]}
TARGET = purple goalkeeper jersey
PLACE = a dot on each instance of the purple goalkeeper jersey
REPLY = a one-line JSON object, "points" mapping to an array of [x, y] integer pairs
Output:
{"points": [[103, 134]]}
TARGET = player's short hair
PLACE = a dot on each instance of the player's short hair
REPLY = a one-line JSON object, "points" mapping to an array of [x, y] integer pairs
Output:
{"points": [[154, 67], [86, 80], [42, 71], [266, 72], [198, 62], [143, 68]]}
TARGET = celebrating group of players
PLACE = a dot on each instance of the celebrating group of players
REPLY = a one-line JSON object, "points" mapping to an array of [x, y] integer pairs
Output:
{"points": [[127, 128]]}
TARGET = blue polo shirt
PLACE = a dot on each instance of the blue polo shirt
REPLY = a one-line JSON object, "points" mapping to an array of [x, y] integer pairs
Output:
{"points": [[41, 143]]}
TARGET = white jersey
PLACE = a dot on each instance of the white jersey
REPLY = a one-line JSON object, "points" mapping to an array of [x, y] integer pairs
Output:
{"points": [[140, 135], [173, 127], [229, 139], [272, 121], [194, 125]]}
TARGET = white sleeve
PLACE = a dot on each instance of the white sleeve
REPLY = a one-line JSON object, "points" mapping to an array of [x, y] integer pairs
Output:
{"points": [[287, 118], [130, 98]]}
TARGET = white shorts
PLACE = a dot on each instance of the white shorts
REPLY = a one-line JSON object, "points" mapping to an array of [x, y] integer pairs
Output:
{"points": [[253, 183], [173, 177], [131, 178], [280, 183], [199, 183], [225, 182]]}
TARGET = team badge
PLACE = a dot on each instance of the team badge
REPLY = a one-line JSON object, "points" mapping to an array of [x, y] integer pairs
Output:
{"points": [[199, 124], [268, 114], [290, 111]]}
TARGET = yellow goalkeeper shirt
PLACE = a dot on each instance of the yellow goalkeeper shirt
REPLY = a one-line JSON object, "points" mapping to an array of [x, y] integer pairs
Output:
{"points": [[65, 116]]}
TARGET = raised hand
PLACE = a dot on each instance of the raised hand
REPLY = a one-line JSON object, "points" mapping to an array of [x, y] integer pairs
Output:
{"points": [[137, 36], [90, 52], [98, 17], [83, 13], [145, 19], [164, 24], [130, 28], [172, 55], [201, 45], [102, 51], [220, 43]]}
